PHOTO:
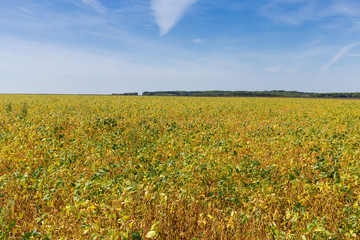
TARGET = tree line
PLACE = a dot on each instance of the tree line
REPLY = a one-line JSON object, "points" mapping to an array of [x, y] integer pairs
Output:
{"points": [[274, 93]]}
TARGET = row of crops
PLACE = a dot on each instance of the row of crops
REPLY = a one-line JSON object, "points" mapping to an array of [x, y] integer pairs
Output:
{"points": [[123, 167]]}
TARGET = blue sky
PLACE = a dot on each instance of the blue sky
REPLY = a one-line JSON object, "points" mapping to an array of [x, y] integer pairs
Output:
{"points": [[106, 46]]}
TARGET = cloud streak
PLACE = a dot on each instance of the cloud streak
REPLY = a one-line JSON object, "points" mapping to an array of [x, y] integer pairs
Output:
{"points": [[354, 54], [274, 69], [49, 68], [168, 13], [342, 52], [297, 12], [95, 5], [198, 40]]}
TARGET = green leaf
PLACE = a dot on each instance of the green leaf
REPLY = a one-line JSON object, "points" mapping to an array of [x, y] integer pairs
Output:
{"points": [[151, 234], [243, 221], [154, 226], [123, 237], [135, 236], [2, 195]]}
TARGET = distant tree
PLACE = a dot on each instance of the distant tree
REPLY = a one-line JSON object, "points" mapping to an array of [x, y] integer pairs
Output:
{"points": [[273, 93], [127, 94]]}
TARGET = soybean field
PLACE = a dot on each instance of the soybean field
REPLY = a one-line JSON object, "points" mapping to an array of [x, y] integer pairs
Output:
{"points": [[140, 167]]}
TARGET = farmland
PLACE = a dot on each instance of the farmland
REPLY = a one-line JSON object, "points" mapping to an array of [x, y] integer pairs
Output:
{"points": [[124, 167]]}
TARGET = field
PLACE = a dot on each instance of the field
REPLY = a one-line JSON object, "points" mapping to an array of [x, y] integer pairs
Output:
{"points": [[118, 167]]}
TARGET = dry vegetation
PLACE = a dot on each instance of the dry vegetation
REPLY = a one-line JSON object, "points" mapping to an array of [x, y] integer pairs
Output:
{"points": [[92, 167]]}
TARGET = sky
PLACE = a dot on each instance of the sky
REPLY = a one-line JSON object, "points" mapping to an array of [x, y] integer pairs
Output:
{"points": [[117, 46]]}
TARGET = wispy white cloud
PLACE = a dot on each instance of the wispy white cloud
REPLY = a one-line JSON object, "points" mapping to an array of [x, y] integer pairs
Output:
{"points": [[148, 26], [274, 69], [345, 8], [342, 52], [300, 11], [315, 41], [354, 54], [51, 68], [198, 40], [25, 10], [95, 5], [38, 67], [168, 13]]}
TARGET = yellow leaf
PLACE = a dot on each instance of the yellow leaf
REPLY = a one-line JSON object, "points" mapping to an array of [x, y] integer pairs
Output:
{"points": [[151, 234]]}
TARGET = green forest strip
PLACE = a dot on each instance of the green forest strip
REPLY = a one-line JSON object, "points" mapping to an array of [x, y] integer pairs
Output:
{"points": [[275, 93]]}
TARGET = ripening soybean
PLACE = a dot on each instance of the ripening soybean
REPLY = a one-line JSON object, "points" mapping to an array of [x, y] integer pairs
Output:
{"points": [[116, 167]]}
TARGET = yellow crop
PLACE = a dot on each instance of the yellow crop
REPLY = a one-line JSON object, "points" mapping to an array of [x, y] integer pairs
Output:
{"points": [[115, 167]]}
